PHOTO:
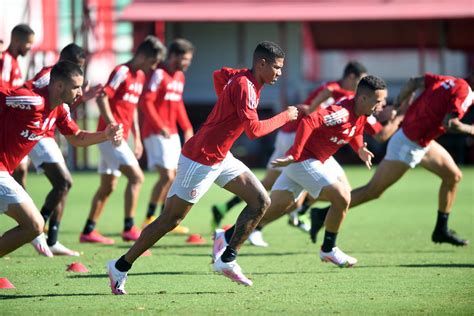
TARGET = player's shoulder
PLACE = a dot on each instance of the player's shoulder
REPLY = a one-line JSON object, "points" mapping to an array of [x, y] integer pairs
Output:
{"points": [[122, 69]]}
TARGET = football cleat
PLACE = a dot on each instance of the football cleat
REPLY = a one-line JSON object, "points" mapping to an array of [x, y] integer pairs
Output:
{"points": [[59, 249], [338, 257], [131, 235], [95, 237], [299, 221], [232, 271], [256, 239], [449, 237], [219, 244], [148, 221], [117, 278], [41, 246]]}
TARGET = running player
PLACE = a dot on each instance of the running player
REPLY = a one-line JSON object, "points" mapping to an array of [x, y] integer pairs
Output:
{"points": [[322, 96], [25, 117], [22, 38], [206, 158], [47, 157], [439, 108], [164, 110], [318, 137], [117, 104]]}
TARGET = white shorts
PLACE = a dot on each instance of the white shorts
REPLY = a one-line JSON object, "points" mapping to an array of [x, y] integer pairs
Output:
{"points": [[283, 142], [308, 175], [332, 165], [162, 152], [10, 192], [193, 179], [111, 158], [400, 148], [46, 150]]}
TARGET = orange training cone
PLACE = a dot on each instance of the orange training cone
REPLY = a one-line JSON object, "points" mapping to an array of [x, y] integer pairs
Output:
{"points": [[195, 239], [5, 284], [77, 267]]}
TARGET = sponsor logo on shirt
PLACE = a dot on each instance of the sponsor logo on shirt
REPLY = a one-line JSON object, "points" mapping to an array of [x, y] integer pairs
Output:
{"points": [[339, 117], [30, 135]]}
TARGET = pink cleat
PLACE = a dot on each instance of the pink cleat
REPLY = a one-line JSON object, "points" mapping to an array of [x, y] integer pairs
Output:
{"points": [[219, 244], [132, 234], [231, 270], [41, 247], [117, 278], [95, 237]]}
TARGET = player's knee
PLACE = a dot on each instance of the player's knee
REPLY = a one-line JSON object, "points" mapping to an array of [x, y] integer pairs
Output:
{"points": [[168, 177], [172, 220], [263, 202], [454, 177], [343, 200], [137, 178], [35, 227], [64, 185]]}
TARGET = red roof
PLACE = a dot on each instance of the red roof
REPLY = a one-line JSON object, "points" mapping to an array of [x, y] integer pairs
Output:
{"points": [[297, 10]]}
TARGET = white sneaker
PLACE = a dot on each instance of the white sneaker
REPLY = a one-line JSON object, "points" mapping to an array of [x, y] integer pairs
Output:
{"points": [[256, 239], [219, 244], [231, 270], [59, 249], [41, 247], [338, 257], [117, 278]]}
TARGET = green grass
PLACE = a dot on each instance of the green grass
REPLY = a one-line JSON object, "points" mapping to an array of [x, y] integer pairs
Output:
{"points": [[400, 270]]}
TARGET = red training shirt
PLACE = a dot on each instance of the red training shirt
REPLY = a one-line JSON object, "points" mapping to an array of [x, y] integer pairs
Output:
{"points": [[162, 103], [443, 95], [123, 89], [25, 117], [10, 72], [234, 112], [324, 131]]}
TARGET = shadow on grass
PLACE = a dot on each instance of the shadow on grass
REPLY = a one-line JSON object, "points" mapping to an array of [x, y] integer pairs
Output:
{"points": [[13, 296], [438, 265], [422, 265], [164, 247], [100, 276]]}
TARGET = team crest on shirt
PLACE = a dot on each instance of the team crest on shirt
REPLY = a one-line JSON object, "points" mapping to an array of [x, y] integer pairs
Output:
{"points": [[339, 117], [193, 193]]}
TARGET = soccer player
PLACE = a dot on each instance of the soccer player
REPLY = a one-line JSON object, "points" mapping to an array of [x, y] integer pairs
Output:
{"points": [[25, 117], [322, 96], [47, 157], [318, 137], [164, 109], [118, 104], [206, 158], [22, 38], [439, 108]]}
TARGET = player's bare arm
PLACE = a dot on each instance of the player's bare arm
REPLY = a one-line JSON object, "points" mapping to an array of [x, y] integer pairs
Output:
{"points": [[454, 125], [366, 155], [113, 132], [138, 150], [282, 162], [320, 98], [104, 108], [408, 89]]}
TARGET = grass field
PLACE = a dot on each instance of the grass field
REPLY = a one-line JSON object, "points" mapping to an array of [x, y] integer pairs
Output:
{"points": [[400, 270]]}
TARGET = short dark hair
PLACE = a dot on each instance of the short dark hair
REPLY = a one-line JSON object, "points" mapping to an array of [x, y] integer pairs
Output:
{"points": [[355, 68], [22, 31], [72, 53], [267, 50], [151, 47], [180, 46], [371, 83], [64, 71]]}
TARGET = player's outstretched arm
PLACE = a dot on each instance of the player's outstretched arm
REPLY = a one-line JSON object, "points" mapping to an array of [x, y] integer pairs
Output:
{"points": [[255, 128], [113, 132], [319, 99], [406, 92], [282, 162], [366, 155], [454, 124]]}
